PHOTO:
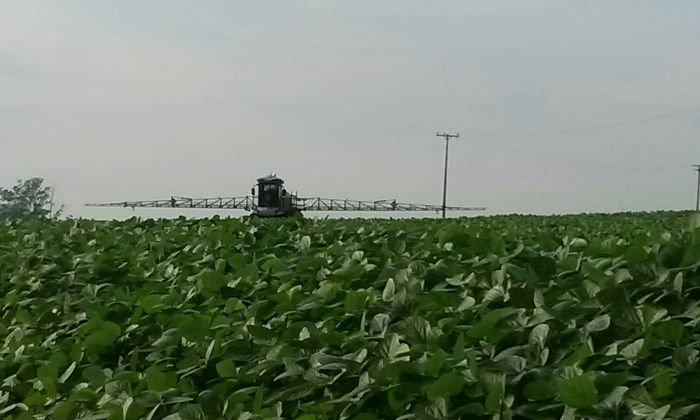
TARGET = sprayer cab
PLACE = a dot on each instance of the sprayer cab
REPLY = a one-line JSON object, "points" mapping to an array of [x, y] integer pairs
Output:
{"points": [[273, 198]]}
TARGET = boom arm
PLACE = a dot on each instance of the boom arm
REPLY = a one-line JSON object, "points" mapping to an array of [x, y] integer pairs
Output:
{"points": [[331, 204], [243, 203], [304, 204]]}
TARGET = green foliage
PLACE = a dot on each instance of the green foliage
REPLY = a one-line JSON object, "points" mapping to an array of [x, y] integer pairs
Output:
{"points": [[29, 198], [578, 392], [502, 317]]}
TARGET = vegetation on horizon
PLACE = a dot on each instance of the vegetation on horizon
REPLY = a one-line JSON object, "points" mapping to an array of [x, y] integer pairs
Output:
{"points": [[28, 198]]}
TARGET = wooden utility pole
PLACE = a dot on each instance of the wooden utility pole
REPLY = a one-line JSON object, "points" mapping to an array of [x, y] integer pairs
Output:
{"points": [[447, 138], [51, 204], [697, 194]]}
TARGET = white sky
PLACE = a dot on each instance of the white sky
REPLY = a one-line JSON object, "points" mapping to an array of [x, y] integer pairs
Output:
{"points": [[562, 106]]}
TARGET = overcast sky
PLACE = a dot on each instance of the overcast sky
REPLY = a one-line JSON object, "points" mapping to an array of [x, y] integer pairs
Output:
{"points": [[562, 106]]}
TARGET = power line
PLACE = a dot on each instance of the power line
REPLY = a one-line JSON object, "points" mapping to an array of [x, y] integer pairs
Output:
{"points": [[594, 126], [530, 154], [625, 168]]}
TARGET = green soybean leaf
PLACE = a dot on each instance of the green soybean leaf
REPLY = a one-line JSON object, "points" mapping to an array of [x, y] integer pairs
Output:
{"points": [[151, 304], [233, 305], [445, 386], [158, 380], [599, 323], [494, 385], [670, 331], [578, 392], [541, 389], [94, 375], [213, 281], [435, 363], [389, 291], [226, 368], [193, 327]]}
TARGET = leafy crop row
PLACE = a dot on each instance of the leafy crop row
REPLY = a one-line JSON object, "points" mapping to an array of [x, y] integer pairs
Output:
{"points": [[504, 317]]}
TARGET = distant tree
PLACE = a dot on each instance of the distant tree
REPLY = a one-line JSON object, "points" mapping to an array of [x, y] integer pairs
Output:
{"points": [[29, 198]]}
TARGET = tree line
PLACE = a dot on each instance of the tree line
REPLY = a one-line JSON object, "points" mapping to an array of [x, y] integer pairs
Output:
{"points": [[28, 198]]}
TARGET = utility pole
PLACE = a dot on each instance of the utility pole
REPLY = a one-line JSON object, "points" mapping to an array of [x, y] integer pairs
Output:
{"points": [[51, 205], [447, 138], [697, 194]]}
